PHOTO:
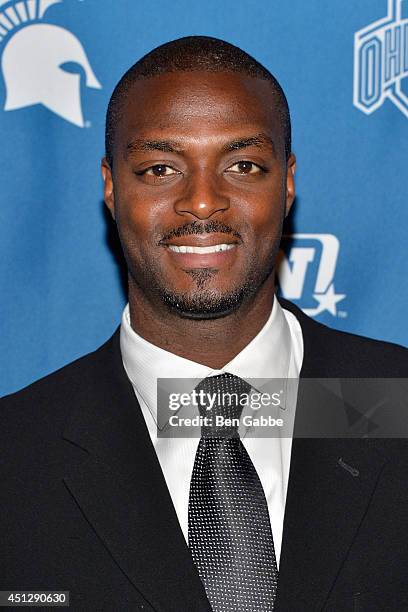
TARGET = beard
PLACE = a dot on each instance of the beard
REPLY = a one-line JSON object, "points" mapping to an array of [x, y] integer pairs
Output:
{"points": [[202, 301]]}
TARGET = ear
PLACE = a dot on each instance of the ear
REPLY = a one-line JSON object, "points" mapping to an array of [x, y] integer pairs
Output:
{"points": [[290, 183], [108, 194]]}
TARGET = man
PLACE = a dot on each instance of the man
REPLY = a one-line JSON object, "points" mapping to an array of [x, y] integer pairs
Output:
{"points": [[199, 176]]}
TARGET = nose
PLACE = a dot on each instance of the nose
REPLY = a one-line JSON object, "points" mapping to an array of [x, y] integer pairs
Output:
{"points": [[202, 196]]}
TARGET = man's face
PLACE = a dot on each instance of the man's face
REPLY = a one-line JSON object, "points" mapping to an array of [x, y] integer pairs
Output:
{"points": [[199, 189]]}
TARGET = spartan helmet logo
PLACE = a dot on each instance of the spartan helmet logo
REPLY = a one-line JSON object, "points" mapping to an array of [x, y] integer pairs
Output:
{"points": [[33, 61]]}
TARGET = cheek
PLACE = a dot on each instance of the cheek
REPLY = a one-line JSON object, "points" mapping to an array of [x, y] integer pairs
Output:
{"points": [[262, 219], [262, 203], [136, 217], [144, 210]]}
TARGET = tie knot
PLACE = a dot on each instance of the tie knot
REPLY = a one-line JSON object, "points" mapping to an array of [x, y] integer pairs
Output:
{"points": [[221, 400]]}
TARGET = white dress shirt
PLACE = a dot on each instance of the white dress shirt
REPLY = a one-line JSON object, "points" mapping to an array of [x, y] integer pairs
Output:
{"points": [[276, 352]]}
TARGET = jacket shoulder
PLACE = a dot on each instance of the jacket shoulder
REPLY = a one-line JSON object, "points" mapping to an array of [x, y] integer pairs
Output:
{"points": [[369, 357], [338, 353]]}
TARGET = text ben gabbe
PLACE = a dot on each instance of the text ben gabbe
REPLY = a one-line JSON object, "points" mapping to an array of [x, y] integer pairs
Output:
{"points": [[254, 401]]}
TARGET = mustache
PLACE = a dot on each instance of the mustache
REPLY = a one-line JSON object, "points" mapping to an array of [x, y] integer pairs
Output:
{"points": [[210, 227]]}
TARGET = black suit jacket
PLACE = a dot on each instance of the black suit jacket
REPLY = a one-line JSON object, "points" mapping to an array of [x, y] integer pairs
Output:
{"points": [[85, 507]]}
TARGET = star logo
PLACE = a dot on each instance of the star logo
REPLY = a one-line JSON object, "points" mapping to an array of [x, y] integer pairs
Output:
{"points": [[328, 300]]}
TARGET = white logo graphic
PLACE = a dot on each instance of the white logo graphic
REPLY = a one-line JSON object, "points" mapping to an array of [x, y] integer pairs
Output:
{"points": [[296, 270], [33, 59], [381, 61]]}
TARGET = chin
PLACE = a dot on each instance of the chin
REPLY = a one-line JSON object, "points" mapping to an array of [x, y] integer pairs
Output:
{"points": [[203, 314], [205, 305]]}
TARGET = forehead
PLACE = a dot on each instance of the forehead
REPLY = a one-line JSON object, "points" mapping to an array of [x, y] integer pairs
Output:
{"points": [[192, 104]]}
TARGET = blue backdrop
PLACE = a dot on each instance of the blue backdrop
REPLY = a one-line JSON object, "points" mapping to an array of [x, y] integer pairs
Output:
{"points": [[342, 65]]}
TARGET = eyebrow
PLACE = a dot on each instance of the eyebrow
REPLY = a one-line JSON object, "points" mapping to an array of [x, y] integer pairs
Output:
{"points": [[258, 140], [166, 146], [170, 146]]}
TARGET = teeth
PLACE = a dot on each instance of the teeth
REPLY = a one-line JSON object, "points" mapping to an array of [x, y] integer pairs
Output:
{"points": [[216, 248]]}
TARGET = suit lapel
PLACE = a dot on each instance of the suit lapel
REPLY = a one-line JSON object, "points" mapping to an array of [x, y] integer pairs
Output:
{"points": [[119, 485], [330, 485]]}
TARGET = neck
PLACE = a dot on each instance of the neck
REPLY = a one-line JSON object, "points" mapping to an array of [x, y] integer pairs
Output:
{"points": [[210, 342]]}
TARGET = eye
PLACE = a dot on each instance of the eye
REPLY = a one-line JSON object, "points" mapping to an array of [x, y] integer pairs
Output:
{"points": [[245, 167], [160, 170]]}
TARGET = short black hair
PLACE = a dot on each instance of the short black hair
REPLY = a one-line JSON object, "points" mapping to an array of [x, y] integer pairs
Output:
{"points": [[188, 54]]}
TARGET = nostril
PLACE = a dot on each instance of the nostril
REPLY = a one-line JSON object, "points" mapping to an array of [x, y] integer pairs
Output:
{"points": [[202, 205]]}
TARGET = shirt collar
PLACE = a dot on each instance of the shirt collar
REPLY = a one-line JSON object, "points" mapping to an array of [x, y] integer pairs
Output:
{"points": [[266, 356]]}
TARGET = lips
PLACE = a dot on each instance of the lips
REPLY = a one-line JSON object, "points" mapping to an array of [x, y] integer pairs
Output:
{"points": [[201, 240], [202, 251]]}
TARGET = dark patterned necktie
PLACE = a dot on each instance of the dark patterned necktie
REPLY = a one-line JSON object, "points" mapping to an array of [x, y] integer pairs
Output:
{"points": [[229, 531]]}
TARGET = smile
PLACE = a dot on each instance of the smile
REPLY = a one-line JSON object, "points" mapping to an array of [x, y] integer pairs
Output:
{"points": [[215, 248]]}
